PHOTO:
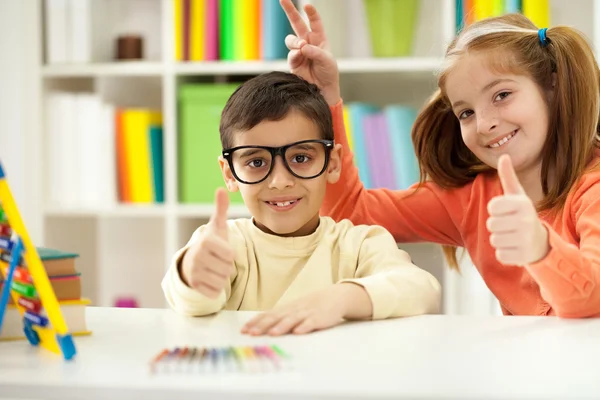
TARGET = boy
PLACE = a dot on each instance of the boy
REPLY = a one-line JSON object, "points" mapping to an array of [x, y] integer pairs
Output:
{"points": [[309, 272]]}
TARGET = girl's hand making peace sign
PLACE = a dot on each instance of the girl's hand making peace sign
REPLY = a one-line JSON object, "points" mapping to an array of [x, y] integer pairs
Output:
{"points": [[309, 56]]}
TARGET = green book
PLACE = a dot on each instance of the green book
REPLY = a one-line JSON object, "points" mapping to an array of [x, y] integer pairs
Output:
{"points": [[46, 253], [157, 167], [199, 144], [227, 29]]}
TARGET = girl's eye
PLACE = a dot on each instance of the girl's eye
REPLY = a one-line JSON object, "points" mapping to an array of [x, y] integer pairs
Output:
{"points": [[502, 96], [465, 114]]}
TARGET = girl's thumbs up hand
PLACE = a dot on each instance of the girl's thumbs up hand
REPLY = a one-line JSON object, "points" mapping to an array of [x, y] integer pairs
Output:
{"points": [[208, 263], [516, 231]]}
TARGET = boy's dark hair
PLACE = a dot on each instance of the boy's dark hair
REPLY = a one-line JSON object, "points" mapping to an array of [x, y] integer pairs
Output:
{"points": [[270, 97]]}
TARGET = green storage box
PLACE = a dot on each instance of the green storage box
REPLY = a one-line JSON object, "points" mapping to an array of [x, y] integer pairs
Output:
{"points": [[392, 26], [199, 145]]}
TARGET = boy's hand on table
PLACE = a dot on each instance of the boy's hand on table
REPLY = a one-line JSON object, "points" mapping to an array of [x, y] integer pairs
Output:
{"points": [[322, 309], [208, 263]]}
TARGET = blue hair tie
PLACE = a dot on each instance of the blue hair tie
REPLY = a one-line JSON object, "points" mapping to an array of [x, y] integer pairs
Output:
{"points": [[542, 36]]}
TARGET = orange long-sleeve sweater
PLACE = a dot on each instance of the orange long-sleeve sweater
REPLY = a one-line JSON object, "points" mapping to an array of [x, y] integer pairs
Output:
{"points": [[565, 283]]}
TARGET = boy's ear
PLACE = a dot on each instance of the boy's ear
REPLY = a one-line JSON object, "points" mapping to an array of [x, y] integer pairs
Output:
{"points": [[230, 182], [334, 169]]}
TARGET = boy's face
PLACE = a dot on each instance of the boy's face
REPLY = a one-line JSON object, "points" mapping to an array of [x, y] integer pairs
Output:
{"points": [[282, 204]]}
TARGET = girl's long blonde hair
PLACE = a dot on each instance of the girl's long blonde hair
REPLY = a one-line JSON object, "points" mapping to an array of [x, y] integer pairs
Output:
{"points": [[566, 64]]}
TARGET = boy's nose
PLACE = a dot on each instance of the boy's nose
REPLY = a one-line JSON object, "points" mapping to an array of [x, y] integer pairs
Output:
{"points": [[280, 176]]}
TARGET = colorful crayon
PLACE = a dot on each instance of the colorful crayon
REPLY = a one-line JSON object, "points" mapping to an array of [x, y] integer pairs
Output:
{"points": [[220, 359]]}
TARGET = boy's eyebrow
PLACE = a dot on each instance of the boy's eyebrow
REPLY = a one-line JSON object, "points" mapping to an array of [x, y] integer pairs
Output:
{"points": [[304, 146], [250, 152], [485, 88]]}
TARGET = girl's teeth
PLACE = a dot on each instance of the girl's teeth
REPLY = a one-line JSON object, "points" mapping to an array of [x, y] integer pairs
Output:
{"points": [[502, 141]]}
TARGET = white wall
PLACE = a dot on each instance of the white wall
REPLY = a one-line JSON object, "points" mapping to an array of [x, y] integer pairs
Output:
{"points": [[20, 152]]}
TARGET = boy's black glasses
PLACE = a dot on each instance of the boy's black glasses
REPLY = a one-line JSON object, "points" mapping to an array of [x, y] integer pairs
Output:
{"points": [[306, 159]]}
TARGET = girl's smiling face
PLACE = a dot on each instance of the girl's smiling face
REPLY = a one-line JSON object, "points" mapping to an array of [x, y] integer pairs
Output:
{"points": [[499, 113]]}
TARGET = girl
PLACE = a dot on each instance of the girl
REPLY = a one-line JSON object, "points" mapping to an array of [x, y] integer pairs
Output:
{"points": [[509, 155]]}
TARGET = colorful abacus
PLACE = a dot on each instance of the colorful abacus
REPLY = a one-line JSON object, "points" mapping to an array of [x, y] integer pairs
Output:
{"points": [[252, 359], [25, 279]]}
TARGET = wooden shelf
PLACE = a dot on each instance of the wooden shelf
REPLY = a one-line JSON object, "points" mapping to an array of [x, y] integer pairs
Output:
{"points": [[115, 239], [126, 68], [211, 68]]}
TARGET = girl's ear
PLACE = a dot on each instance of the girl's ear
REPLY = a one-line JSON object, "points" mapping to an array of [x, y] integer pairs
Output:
{"points": [[230, 182], [551, 91]]}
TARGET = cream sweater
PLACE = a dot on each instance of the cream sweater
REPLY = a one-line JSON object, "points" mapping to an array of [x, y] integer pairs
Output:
{"points": [[273, 270]]}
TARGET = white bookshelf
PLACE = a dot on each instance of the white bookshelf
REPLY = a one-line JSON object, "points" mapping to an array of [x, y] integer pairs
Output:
{"points": [[126, 248]]}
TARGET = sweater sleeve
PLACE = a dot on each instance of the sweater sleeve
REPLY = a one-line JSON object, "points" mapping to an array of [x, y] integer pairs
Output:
{"points": [[409, 215], [569, 275], [396, 287], [182, 298]]}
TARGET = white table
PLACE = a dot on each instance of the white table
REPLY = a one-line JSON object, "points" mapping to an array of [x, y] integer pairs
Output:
{"points": [[427, 357]]}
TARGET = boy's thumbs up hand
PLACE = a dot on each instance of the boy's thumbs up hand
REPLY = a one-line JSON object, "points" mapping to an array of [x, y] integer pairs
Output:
{"points": [[516, 231], [218, 222], [208, 262]]}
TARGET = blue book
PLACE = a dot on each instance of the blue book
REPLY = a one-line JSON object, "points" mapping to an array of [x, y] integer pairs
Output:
{"points": [[358, 111], [400, 121], [513, 6], [275, 27], [459, 15]]}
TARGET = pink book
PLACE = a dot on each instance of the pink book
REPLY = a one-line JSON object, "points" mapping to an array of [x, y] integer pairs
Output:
{"points": [[370, 136], [212, 30], [378, 151], [385, 152]]}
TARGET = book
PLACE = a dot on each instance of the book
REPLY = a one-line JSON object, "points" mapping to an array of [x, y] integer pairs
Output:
{"points": [[56, 262], [199, 144], [72, 311], [65, 287]]}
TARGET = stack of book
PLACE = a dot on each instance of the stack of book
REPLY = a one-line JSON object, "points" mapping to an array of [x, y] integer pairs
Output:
{"points": [[470, 11], [380, 139], [208, 30], [101, 154], [66, 283]]}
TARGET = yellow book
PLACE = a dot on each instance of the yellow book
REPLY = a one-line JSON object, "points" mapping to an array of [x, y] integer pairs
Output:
{"points": [[250, 31], [177, 16], [538, 11], [348, 127], [136, 124], [73, 312], [483, 9], [497, 8], [198, 27], [238, 7]]}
